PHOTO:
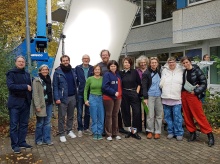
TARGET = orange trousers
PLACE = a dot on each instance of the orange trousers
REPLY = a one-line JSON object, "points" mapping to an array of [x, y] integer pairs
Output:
{"points": [[192, 108]]}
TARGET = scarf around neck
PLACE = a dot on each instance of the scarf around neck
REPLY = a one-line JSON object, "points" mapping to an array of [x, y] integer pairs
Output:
{"points": [[65, 68], [48, 91]]}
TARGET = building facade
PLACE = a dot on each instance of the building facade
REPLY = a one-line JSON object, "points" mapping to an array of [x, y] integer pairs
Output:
{"points": [[165, 28]]}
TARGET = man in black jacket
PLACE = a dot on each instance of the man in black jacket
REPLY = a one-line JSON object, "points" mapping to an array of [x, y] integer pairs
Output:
{"points": [[19, 100]]}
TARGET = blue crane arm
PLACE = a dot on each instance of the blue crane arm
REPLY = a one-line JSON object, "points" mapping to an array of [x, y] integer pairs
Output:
{"points": [[41, 18], [40, 42]]}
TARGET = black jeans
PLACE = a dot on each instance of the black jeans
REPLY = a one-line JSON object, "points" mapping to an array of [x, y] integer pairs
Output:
{"points": [[131, 100]]}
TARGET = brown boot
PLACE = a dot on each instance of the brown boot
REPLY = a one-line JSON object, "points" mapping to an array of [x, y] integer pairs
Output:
{"points": [[157, 136], [149, 135]]}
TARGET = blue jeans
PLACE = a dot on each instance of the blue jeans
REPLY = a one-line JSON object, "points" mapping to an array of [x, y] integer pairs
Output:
{"points": [[43, 127], [80, 104], [19, 124], [97, 113], [174, 119]]}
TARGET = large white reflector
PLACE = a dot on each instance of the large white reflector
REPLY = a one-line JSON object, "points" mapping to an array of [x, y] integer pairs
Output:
{"points": [[94, 25]]}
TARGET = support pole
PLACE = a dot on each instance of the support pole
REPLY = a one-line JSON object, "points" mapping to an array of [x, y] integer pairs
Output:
{"points": [[28, 37], [28, 45]]}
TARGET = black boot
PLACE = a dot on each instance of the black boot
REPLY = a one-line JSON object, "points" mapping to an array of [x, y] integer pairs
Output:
{"points": [[136, 136], [192, 136], [211, 140], [128, 135]]}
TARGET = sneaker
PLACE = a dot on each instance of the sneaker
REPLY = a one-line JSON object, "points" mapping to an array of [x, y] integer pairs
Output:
{"points": [[39, 143], [100, 137], [80, 133], [118, 138], [62, 139], [25, 145], [109, 138], [170, 136], [17, 150], [179, 138], [95, 136], [88, 132], [71, 135]]}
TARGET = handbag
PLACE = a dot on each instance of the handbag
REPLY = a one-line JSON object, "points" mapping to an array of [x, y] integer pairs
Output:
{"points": [[187, 86]]}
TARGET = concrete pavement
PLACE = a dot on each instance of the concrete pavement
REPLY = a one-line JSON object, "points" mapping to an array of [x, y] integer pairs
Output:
{"points": [[85, 150]]}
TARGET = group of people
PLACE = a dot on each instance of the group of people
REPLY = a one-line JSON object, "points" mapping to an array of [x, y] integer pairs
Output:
{"points": [[109, 97]]}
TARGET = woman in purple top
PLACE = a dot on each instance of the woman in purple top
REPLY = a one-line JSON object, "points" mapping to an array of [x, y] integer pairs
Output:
{"points": [[142, 63]]}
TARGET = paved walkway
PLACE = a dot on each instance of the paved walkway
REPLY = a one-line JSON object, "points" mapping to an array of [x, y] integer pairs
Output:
{"points": [[85, 150]]}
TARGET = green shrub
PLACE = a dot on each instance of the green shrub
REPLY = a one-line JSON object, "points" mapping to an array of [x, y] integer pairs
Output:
{"points": [[212, 108], [6, 63]]}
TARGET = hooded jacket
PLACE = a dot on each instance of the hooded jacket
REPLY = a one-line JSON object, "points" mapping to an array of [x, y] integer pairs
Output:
{"points": [[17, 83], [171, 82]]}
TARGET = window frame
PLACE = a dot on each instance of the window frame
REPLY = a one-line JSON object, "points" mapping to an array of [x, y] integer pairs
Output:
{"points": [[158, 15], [196, 3]]}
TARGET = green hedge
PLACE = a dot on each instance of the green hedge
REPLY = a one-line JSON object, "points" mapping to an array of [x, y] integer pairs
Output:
{"points": [[6, 63], [212, 108]]}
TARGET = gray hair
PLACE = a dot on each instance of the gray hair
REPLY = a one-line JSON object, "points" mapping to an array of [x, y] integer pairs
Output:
{"points": [[19, 56], [140, 58], [42, 66]]}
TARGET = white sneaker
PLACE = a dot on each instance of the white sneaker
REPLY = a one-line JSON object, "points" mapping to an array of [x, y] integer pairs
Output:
{"points": [[118, 138], [71, 135], [62, 139], [80, 133], [109, 138]]}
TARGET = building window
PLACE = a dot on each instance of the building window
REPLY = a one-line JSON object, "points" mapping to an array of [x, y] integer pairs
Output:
{"points": [[177, 55], [138, 15], [192, 2], [154, 11], [168, 6], [163, 57], [149, 9], [194, 54], [214, 72]]}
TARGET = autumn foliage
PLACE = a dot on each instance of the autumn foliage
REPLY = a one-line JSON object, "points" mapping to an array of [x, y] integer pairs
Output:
{"points": [[12, 34]]}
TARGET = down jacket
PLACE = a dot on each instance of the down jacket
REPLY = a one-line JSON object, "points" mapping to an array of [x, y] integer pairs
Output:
{"points": [[198, 79], [171, 82]]}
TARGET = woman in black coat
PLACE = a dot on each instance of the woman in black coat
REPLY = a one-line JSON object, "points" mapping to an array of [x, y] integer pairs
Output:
{"points": [[194, 86]]}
